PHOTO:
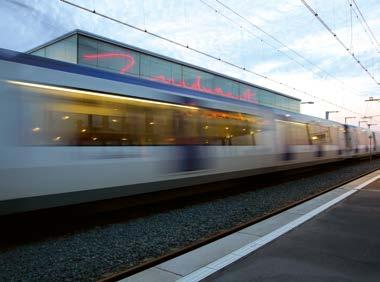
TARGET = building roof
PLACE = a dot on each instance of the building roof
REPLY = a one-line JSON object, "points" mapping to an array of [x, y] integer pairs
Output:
{"points": [[97, 37]]}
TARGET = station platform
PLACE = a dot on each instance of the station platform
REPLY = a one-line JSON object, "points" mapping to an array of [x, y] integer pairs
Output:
{"points": [[340, 244], [334, 237]]}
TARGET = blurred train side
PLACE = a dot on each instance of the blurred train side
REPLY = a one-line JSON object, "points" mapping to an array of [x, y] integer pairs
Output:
{"points": [[78, 136]]}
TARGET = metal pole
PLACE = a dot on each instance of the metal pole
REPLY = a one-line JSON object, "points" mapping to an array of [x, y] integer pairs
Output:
{"points": [[370, 147], [370, 140], [346, 118], [328, 113]]}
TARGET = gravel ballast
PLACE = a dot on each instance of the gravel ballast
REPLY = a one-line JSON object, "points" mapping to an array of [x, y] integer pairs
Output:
{"points": [[90, 254]]}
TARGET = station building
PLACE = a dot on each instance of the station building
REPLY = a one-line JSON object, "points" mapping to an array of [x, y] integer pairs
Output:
{"points": [[83, 48]]}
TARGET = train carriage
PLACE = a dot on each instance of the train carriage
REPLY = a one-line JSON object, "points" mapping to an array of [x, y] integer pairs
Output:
{"points": [[73, 134]]}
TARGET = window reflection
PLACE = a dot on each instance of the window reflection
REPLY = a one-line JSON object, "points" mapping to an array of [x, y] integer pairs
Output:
{"points": [[96, 53], [295, 133], [319, 135], [66, 118]]}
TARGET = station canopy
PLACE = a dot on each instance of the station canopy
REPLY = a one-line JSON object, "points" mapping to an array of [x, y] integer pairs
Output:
{"points": [[83, 48]]}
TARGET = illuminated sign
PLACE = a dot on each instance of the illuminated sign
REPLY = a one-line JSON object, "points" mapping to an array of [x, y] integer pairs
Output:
{"points": [[123, 70], [247, 95]]}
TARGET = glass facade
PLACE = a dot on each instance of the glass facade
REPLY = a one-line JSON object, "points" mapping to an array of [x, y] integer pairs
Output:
{"points": [[88, 51], [63, 50]]}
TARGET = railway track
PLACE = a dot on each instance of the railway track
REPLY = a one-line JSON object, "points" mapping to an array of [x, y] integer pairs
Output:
{"points": [[207, 240], [53, 228]]}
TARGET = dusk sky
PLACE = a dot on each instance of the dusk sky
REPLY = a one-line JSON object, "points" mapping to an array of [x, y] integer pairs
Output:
{"points": [[329, 73]]}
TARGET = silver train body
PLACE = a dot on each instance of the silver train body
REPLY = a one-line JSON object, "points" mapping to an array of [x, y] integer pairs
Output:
{"points": [[71, 134]]}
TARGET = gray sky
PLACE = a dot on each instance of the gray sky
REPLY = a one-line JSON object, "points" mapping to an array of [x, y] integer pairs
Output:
{"points": [[27, 23]]}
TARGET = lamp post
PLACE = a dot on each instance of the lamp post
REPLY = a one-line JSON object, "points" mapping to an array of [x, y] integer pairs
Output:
{"points": [[346, 118], [371, 99], [370, 140], [370, 117], [330, 112]]}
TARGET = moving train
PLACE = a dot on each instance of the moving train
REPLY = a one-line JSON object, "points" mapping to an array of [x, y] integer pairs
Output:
{"points": [[72, 134]]}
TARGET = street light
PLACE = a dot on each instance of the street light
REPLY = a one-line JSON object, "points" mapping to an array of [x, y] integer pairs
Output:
{"points": [[370, 140], [371, 99], [330, 112], [370, 117], [346, 118]]}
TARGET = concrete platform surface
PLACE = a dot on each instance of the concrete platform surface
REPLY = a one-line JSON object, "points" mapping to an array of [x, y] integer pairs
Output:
{"points": [[237, 247], [340, 244]]}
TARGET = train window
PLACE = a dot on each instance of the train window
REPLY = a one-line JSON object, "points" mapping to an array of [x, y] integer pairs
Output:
{"points": [[319, 135], [363, 135], [295, 132], [69, 118], [335, 134]]}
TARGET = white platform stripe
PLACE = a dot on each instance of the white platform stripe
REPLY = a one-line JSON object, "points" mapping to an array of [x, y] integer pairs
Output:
{"points": [[198, 274], [367, 182], [253, 246]]}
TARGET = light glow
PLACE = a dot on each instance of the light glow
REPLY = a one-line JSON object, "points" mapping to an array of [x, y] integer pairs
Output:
{"points": [[36, 129], [123, 70], [247, 95], [97, 94]]}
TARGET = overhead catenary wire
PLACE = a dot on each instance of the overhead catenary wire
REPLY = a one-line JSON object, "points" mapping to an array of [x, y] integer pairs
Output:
{"points": [[362, 24], [249, 32], [339, 40], [92, 11], [274, 47], [369, 29], [326, 74], [288, 48]]}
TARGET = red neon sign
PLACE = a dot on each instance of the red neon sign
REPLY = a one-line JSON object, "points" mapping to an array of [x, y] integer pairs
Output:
{"points": [[248, 94], [123, 70]]}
